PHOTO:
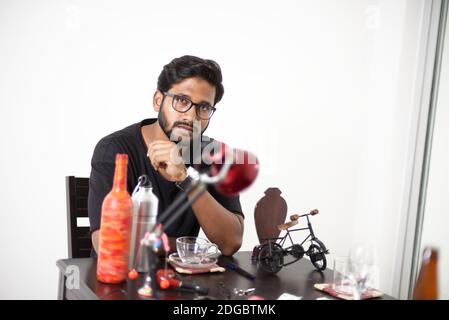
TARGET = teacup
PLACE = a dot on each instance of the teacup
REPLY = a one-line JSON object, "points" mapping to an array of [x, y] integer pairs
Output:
{"points": [[194, 250]]}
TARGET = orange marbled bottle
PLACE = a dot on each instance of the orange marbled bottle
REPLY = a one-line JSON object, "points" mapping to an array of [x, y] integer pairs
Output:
{"points": [[115, 229]]}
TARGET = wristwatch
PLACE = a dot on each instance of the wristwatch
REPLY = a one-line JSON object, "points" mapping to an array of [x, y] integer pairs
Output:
{"points": [[192, 179]]}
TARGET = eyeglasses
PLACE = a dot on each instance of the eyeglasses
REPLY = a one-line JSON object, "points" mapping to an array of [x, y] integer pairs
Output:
{"points": [[183, 104]]}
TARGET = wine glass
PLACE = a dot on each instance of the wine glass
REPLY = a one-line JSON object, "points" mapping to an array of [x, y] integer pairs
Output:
{"points": [[362, 269]]}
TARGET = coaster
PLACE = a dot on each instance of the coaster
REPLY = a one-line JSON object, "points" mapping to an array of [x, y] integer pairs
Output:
{"points": [[327, 287], [181, 267]]}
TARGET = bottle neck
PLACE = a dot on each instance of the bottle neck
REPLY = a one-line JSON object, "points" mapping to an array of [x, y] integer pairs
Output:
{"points": [[120, 175]]}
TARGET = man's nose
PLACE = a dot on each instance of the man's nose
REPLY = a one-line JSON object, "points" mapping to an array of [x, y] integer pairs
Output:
{"points": [[191, 114]]}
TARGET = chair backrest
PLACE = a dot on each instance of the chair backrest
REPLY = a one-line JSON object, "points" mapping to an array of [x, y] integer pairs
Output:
{"points": [[79, 241], [270, 211]]}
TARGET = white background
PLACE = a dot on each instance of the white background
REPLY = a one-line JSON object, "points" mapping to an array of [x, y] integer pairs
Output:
{"points": [[322, 91], [436, 218]]}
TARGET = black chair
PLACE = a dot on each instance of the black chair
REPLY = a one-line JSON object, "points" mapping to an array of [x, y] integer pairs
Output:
{"points": [[79, 241]]}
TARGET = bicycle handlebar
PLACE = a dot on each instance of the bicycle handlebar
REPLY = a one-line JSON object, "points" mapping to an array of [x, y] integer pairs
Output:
{"points": [[311, 213]]}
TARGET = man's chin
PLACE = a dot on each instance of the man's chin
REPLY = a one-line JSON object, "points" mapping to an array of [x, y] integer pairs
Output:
{"points": [[181, 135]]}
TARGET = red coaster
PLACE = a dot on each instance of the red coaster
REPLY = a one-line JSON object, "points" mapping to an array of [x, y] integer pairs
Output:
{"points": [[183, 269], [327, 287]]}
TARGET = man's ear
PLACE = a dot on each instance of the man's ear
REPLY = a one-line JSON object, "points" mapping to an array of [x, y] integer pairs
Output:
{"points": [[157, 100]]}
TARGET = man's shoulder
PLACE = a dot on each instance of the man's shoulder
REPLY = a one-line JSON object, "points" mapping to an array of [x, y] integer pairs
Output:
{"points": [[117, 138], [125, 133], [119, 141]]}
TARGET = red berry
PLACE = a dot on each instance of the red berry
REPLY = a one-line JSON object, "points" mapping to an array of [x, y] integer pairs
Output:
{"points": [[164, 283], [133, 274]]}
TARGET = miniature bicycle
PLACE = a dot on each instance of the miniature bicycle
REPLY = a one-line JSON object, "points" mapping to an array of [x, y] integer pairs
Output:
{"points": [[270, 254]]}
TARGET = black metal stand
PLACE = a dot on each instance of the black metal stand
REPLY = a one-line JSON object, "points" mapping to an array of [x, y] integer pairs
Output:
{"points": [[170, 214], [152, 256]]}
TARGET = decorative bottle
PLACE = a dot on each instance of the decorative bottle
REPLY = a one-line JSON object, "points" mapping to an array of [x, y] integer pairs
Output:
{"points": [[115, 228]]}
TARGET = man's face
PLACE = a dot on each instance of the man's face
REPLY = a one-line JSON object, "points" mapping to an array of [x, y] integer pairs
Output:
{"points": [[184, 126]]}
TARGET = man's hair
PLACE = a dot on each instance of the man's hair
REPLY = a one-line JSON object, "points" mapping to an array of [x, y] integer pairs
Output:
{"points": [[186, 67]]}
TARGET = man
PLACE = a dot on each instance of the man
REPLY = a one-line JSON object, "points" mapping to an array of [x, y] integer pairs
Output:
{"points": [[188, 90]]}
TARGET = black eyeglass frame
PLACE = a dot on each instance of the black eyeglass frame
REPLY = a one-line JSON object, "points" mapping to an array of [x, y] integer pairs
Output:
{"points": [[196, 105]]}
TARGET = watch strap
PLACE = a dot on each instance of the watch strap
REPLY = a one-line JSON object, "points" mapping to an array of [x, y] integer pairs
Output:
{"points": [[191, 179]]}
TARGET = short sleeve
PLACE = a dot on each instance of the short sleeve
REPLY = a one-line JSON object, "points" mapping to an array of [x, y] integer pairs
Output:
{"points": [[101, 179]]}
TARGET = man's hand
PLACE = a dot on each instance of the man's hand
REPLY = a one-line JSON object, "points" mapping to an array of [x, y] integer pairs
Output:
{"points": [[166, 159], [95, 239]]}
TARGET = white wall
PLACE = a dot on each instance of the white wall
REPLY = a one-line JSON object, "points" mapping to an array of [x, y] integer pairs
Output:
{"points": [[319, 90], [436, 214]]}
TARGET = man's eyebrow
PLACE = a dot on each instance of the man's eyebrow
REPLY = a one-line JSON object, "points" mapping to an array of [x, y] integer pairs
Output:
{"points": [[190, 98]]}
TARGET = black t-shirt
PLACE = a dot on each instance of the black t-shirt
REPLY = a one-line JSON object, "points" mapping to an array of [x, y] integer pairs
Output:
{"points": [[130, 141]]}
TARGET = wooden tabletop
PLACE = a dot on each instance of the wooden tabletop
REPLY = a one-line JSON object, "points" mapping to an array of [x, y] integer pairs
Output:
{"points": [[296, 279]]}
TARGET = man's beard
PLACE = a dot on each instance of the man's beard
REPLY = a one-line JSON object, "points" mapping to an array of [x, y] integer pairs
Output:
{"points": [[163, 123], [189, 152], [162, 120]]}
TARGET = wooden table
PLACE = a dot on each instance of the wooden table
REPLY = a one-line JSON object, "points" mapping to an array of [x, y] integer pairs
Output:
{"points": [[296, 279]]}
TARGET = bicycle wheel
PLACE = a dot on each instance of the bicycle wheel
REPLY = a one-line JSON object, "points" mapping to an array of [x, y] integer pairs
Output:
{"points": [[317, 256], [271, 259]]}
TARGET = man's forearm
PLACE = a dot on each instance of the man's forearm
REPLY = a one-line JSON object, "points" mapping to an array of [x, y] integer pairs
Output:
{"points": [[96, 234], [220, 225]]}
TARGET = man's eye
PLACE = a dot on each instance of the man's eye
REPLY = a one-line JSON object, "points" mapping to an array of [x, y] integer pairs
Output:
{"points": [[205, 107], [182, 101]]}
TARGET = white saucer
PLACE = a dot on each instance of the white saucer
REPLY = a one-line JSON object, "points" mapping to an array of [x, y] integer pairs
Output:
{"points": [[207, 262]]}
